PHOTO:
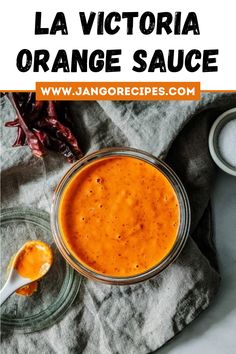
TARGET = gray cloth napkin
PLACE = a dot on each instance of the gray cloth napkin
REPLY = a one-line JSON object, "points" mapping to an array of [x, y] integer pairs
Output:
{"points": [[134, 319]]}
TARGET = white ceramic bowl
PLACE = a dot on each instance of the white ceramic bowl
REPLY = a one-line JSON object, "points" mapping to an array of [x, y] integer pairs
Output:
{"points": [[216, 128]]}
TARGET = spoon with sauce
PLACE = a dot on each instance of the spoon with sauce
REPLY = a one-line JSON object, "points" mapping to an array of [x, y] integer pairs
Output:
{"points": [[32, 262]]}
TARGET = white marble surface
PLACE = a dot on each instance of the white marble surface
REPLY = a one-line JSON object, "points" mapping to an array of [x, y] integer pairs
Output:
{"points": [[214, 332]]}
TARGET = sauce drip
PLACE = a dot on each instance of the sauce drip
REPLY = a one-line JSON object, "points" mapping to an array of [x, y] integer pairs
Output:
{"points": [[119, 216], [28, 290]]}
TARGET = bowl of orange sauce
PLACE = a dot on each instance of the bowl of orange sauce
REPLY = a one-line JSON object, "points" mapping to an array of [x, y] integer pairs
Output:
{"points": [[120, 216]]}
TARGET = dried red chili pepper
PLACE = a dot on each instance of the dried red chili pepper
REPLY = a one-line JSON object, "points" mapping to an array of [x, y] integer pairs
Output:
{"points": [[43, 125]]}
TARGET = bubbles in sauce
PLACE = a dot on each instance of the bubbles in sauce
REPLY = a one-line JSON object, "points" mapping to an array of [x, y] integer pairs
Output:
{"points": [[119, 216]]}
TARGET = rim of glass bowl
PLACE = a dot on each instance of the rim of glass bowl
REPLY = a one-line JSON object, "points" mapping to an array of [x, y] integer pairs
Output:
{"points": [[185, 215], [216, 128]]}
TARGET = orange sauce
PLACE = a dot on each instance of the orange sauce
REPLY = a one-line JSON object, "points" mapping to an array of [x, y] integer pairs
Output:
{"points": [[34, 260], [28, 290], [119, 216]]}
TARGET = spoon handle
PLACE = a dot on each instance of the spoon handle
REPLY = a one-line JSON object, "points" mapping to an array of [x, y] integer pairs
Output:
{"points": [[14, 282], [5, 292]]}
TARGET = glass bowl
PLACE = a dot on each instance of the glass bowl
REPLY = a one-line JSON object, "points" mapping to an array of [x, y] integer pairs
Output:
{"points": [[184, 215], [56, 291], [215, 131]]}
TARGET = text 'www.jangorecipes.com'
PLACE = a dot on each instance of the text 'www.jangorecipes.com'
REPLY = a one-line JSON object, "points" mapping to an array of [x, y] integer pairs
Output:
{"points": [[117, 91]]}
